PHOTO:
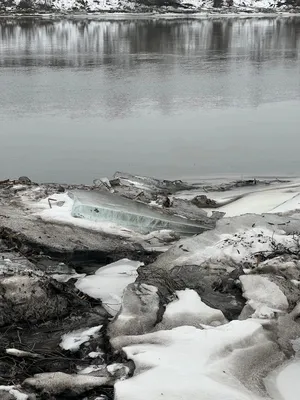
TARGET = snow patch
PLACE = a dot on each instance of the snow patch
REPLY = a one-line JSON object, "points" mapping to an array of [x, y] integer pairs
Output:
{"points": [[190, 310], [109, 282], [14, 392], [185, 362], [73, 340]]}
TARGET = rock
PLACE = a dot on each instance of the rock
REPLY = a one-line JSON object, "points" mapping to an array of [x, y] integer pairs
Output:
{"points": [[28, 295], [203, 201], [30, 298], [287, 330], [59, 383], [295, 313], [24, 180], [60, 189], [6, 396]]}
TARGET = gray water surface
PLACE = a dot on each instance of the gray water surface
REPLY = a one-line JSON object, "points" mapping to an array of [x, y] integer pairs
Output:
{"points": [[168, 98]]}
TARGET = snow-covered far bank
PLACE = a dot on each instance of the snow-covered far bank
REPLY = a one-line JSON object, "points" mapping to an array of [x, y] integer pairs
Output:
{"points": [[165, 9]]}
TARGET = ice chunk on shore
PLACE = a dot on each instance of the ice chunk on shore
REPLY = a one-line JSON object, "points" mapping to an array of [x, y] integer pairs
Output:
{"points": [[109, 282], [262, 293], [105, 206]]}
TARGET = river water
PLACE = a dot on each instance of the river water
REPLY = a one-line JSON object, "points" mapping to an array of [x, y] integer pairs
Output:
{"points": [[167, 98]]}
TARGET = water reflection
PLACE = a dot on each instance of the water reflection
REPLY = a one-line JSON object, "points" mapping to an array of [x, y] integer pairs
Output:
{"points": [[90, 43]]}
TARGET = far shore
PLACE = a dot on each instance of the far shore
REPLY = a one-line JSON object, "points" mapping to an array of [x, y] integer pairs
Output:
{"points": [[161, 14]]}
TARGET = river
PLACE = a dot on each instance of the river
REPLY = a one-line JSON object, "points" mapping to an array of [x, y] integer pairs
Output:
{"points": [[183, 98]]}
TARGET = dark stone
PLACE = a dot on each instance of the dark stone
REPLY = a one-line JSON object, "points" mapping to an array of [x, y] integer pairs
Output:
{"points": [[203, 201], [24, 180]]}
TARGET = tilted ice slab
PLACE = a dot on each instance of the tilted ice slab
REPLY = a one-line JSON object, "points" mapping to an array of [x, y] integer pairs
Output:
{"points": [[105, 206]]}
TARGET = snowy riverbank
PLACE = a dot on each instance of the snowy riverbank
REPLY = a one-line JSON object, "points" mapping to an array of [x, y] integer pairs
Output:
{"points": [[100, 305], [151, 9]]}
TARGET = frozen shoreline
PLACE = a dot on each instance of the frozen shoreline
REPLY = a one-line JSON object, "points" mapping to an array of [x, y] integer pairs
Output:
{"points": [[206, 303]]}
